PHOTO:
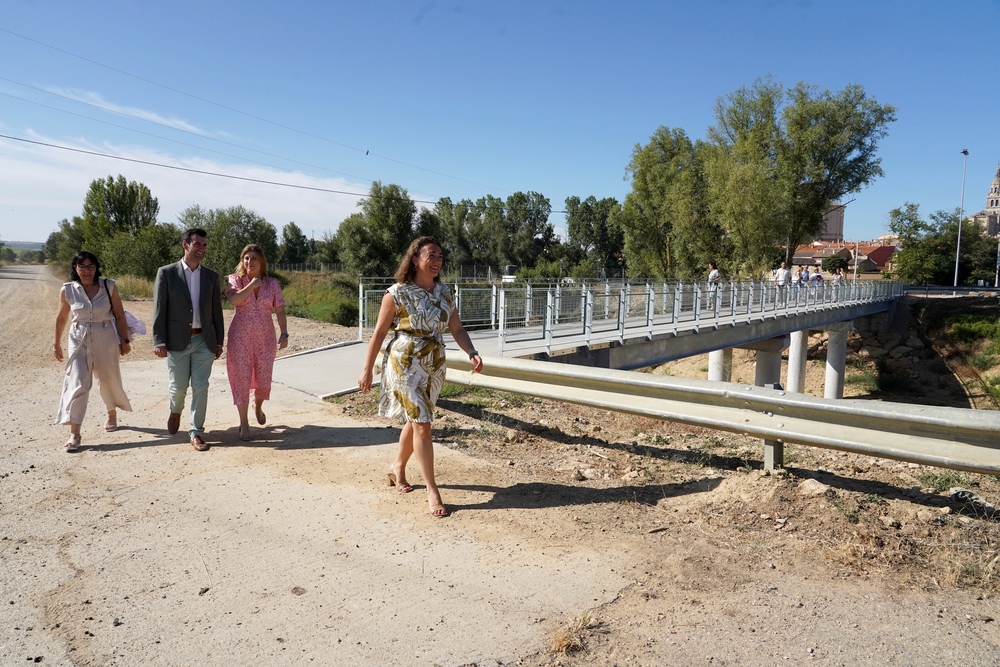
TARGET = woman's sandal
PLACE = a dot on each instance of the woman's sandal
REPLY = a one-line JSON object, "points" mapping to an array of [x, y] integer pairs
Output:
{"points": [[403, 487], [439, 511], [245, 437], [73, 444], [112, 424], [261, 417]]}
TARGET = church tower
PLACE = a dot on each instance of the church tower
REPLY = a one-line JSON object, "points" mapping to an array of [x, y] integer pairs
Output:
{"points": [[989, 217]]}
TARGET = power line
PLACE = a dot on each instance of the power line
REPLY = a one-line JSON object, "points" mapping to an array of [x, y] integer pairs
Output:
{"points": [[198, 171], [170, 127], [245, 113]]}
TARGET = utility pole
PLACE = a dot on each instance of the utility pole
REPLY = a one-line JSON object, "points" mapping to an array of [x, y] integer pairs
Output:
{"points": [[961, 214]]}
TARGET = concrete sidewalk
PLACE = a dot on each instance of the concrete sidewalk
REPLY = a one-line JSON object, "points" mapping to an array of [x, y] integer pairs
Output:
{"points": [[334, 370]]}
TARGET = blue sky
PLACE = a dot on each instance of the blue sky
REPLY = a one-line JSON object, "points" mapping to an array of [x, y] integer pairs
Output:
{"points": [[458, 99]]}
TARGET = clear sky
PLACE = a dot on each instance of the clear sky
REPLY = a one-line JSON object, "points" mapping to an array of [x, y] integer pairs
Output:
{"points": [[459, 99]]}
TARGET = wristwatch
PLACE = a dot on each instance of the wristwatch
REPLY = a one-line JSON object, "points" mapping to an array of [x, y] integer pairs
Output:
{"points": [[126, 341]]}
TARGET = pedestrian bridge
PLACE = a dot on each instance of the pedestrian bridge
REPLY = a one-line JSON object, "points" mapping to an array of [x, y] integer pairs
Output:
{"points": [[625, 326], [628, 326]]}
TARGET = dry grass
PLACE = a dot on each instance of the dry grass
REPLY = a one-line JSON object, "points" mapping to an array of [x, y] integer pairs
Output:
{"points": [[572, 638]]}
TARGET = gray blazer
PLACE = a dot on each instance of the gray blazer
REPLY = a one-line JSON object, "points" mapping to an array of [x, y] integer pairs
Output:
{"points": [[173, 312]]}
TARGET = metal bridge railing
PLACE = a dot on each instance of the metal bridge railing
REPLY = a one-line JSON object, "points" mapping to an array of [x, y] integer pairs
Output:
{"points": [[541, 314]]}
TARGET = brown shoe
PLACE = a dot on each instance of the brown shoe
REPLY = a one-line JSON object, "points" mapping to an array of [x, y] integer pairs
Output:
{"points": [[174, 422], [199, 444]]}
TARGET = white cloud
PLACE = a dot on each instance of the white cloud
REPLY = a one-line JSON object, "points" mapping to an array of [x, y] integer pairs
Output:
{"points": [[42, 185], [97, 100]]}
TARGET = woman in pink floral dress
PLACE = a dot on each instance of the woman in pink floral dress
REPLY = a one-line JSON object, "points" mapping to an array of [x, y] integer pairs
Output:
{"points": [[250, 345]]}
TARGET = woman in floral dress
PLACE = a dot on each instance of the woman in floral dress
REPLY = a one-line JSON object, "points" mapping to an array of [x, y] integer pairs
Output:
{"points": [[250, 345], [419, 309]]}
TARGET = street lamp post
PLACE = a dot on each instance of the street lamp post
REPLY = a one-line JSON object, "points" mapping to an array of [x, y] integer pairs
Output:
{"points": [[961, 213]]}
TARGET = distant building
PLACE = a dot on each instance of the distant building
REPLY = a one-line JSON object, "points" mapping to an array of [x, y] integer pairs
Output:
{"points": [[833, 223], [989, 217], [870, 256]]}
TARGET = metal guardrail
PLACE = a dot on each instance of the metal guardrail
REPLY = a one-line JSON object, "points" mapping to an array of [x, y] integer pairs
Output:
{"points": [[944, 437]]}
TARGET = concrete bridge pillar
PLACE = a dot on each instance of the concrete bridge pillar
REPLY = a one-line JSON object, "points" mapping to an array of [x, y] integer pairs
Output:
{"points": [[836, 359], [797, 350], [720, 365]]}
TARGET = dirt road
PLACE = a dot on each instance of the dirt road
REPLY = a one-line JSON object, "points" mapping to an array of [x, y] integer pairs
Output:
{"points": [[289, 550]]}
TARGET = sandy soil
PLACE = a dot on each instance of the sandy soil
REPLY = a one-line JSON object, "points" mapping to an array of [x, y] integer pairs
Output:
{"points": [[290, 550]]}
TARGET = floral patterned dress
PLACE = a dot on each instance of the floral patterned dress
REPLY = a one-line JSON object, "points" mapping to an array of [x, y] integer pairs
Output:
{"points": [[413, 365], [251, 343]]}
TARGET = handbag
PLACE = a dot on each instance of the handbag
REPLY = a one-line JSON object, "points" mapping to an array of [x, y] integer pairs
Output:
{"points": [[136, 327]]}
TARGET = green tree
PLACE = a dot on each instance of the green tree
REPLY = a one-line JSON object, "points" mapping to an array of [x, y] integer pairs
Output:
{"points": [[798, 151], [834, 262], [294, 247], [327, 249], [926, 254], [666, 209], [8, 255], [229, 231], [113, 206], [65, 242], [453, 234], [372, 242], [589, 228], [142, 253]]}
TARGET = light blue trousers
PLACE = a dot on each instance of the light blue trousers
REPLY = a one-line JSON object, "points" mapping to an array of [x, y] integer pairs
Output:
{"points": [[192, 365]]}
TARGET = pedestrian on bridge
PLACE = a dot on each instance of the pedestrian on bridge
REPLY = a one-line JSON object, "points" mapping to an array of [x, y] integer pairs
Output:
{"points": [[782, 279], [418, 308], [714, 282]]}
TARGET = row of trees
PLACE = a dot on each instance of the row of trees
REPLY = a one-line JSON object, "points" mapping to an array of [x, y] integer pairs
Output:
{"points": [[119, 224], [744, 197]]}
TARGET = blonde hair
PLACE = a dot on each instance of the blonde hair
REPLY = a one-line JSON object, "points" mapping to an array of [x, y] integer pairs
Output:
{"points": [[257, 250]]}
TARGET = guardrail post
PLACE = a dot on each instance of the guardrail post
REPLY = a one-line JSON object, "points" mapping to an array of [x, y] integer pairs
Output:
{"points": [[607, 300], [621, 316], [696, 306], [361, 308], [678, 304], [549, 305], [555, 315], [774, 450], [750, 295], [588, 316], [493, 306], [527, 305], [650, 307], [502, 333]]}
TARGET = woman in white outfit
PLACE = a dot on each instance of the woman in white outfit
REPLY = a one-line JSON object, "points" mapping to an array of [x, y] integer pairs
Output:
{"points": [[98, 324]]}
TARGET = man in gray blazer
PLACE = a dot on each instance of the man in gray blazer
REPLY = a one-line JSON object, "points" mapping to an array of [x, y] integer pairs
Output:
{"points": [[188, 331]]}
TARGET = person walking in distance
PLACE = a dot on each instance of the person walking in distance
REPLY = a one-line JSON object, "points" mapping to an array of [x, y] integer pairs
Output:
{"points": [[714, 282], [782, 279], [188, 331]]}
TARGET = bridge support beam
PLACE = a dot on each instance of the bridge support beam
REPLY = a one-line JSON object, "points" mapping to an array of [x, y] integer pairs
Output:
{"points": [[836, 359], [720, 365], [797, 351]]}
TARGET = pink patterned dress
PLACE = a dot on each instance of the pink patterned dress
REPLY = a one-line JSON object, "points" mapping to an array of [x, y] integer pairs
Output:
{"points": [[251, 342]]}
